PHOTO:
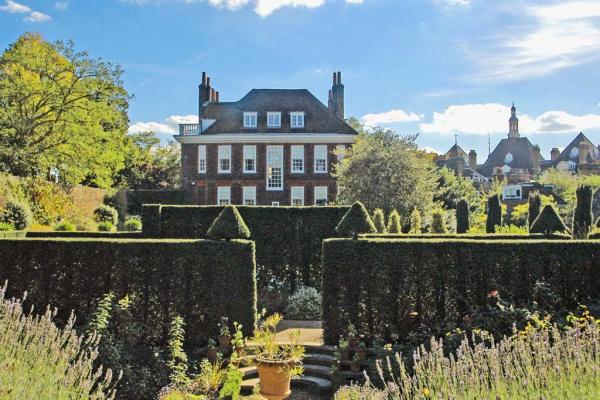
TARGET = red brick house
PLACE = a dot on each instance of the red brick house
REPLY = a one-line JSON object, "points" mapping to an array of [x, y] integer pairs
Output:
{"points": [[272, 147]]}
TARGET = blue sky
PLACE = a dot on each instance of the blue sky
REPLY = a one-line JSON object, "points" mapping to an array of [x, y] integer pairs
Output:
{"points": [[438, 67]]}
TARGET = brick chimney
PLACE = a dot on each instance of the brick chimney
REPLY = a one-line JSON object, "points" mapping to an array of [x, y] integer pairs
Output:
{"points": [[537, 158], [554, 154], [336, 96], [472, 159], [204, 92]]}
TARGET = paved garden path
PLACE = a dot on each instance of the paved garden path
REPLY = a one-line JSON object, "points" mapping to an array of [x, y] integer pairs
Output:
{"points": [[311, 333]]}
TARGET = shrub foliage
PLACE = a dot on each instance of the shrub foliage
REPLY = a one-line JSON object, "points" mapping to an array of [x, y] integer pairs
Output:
{"points": [[548, 222], [535, 204], [379, 220], [394, 224], [494, 214], [582, 216], [406, 284], [17, 214], [438, 224], [106, 213], [356, 221], [229, 225], [462, 216]]}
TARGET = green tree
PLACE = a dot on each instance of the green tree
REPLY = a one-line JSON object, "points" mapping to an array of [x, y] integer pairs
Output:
{"points": [[548, 222], [535, 204], [415, 221], [494, 214], [451, 188], [61, 110], [379, 220], [385, 170], [394, 224], [462, 216], [582, 216], [438, 224], [355, 221]]}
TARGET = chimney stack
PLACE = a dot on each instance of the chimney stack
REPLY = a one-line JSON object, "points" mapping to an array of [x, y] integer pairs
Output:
{"points": [[554, 154], [336, 96], [206, 94], [473, 159]]}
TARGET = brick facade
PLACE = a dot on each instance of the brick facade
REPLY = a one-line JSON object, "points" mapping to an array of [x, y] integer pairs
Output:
{"points": [[203, 190]]}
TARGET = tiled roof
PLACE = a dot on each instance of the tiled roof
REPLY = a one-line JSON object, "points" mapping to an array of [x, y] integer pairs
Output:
{"points": [[228, 116], [521, 155], [571, 152]]}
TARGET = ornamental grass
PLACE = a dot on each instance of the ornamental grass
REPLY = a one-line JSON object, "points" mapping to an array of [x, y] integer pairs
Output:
{"points": [[40, 361]]}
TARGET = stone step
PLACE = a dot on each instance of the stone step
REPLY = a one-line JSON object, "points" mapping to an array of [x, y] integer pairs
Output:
{"points": [[320, 349], [319, 371], [311, 383], [318, 359]]}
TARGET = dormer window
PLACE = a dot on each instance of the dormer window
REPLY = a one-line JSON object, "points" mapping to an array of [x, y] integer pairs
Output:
{"points": [[297, 119], [273, 120], [250, 119]]}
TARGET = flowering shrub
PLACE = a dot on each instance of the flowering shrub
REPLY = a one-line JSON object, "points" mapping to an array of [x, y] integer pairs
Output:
{"points": [[106, 213], [64, 226], [132, 224], [304, 304]]}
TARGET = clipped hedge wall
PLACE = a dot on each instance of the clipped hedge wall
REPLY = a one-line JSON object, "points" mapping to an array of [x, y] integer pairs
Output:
{"points": [[12, 234], [442, 280], [288, 239], [491, 236], [191, 278], [83, 234], [136, 198]]}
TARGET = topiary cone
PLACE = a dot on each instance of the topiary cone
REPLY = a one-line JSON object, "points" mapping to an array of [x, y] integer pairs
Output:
{"points": [[228, 225], [355, 221], [379, 221], [548, 222], [394, 225]]}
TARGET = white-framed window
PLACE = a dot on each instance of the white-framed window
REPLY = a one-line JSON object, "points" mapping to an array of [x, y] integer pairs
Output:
{"points": [[297, 159], [250, 119], [201, 159], [273, 119], [223, 195], [224, 159], [297, 119], [249, 195], [274, 167], [275, 204], [249, 159], [340, 152], [512, 192], [297, 196], [320, 195], [320, 158]]}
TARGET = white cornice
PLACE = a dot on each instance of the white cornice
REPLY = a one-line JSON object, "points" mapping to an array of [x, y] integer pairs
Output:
{"points": [[338, 138]]}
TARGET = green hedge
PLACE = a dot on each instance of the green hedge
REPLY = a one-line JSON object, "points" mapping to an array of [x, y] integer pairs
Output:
{"points": [[288, 239], [83, 234], [442, 280], [12, 234], [200, 280], [136, 198], [490, 236]]}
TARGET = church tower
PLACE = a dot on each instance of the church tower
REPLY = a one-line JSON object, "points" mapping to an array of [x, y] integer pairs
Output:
{"points": [[513, 123]]}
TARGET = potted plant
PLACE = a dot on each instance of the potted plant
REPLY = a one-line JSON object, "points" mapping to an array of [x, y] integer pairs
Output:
{"points": [[344, 349], [337, 360], [352, 335], [355, 364], [276, 363], [237, 341], [361, 351], [211, 350], [224, 336]]}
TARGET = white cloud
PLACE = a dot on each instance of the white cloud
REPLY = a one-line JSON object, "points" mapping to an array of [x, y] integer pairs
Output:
{"points": [[390, 117], [554, 37], [61, 5], [431, 150], [481, 119], [263, 8], [14, 7], [36, 16], [169, 126]]}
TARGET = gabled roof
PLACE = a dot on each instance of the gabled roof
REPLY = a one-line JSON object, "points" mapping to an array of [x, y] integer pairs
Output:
{"points": [[456, 151], [521, 155], [228, 116], [571, 152]]}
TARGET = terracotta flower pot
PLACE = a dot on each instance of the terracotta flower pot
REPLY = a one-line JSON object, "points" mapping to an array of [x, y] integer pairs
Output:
{"points": [[353, 343], [225, 343], [361, 353], [345, 353], [211, 354], [274, 380]]}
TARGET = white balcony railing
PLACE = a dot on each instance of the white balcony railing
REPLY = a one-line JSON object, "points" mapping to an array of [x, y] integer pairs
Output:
{"points": [[189, 129]]}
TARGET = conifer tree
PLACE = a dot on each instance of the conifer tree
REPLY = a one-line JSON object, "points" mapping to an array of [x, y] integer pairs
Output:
{"points": [[355, 222], [582, 216], [548, 222], [415, 221], [394, 225], [494, 214], [462, 216], [379, 221], [228, 225], [535, 205], [438, 225]]}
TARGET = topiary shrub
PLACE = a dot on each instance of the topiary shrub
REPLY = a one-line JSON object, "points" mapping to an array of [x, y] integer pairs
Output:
{"points": [[535, 205], [394, 225], [415, 221], [494, 214], [6, 227], [228, 225], [548, 222], [438, 225], [17, 214], [64, 226], [106, 227], [132, 224], [305, 304], [379, 221], [462, 216], [355, 221], [106, 213], [582, 216]]}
